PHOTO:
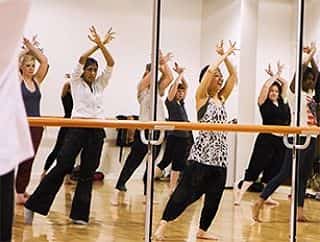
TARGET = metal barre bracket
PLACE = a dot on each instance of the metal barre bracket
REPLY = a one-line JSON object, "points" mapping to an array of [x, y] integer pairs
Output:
{"points": [[298, 147], [152, 142]]}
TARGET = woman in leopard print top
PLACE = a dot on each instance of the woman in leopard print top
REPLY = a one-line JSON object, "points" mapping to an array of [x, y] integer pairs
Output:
{"points": [[206, 172]]}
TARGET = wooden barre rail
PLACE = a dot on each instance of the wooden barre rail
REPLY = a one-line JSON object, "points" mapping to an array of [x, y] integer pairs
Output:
{"points": [[169, 125]]}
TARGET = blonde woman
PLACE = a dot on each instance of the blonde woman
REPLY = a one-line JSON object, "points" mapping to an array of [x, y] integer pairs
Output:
{"points": [[31, 79]]}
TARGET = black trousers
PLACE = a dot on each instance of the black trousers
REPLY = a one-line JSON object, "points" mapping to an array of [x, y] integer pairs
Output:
{"points": [[267, 157], [177, 151], [305, 168], [89, 142], [197, 180], [57, 147], [6, 206], [136, 156]]}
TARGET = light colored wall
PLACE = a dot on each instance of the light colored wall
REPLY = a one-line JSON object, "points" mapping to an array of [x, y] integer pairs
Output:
{"points": [[247, 80]]}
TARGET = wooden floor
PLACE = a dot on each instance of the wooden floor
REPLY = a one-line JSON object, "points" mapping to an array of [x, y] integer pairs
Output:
{"points": [[126, 223]]}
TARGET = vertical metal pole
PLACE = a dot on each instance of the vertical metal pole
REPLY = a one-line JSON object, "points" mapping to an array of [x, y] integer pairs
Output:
{"points": [[154, 88], [295, 154]]}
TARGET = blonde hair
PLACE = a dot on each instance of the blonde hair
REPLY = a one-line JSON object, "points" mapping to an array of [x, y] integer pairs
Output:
{"points": [[23, 58]]}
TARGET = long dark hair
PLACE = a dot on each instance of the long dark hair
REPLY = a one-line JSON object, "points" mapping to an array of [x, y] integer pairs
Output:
{"points": [[277, 84]]}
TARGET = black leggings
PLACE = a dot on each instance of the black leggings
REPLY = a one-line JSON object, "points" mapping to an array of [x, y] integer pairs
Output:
{"points": [[198, 179], [136, 156], [177, 151], [305, 168], [267, 157], [6, 206]]}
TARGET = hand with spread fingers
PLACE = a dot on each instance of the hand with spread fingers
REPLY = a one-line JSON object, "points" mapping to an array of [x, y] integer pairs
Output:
{"points": [[219, 48], [94, 36], [269, 71], [109, 36], [232, 48], [165, 58], [178, 69]]}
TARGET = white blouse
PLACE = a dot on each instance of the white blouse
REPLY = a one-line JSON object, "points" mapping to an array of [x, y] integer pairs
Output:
{"points": [[87, 103]]}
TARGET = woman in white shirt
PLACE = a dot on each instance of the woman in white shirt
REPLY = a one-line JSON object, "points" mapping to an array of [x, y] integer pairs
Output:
{"points": [[87, 93], [138, 149]]}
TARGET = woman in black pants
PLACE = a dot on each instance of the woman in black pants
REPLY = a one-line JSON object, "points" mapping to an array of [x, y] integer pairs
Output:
{"points": [[67, 103], [269, 150], [87, 92], [178, 142], [309, 86], [138, 149], [206, 173]]}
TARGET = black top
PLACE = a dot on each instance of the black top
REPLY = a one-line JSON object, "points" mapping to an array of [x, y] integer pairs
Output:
{"points": [[203, 110], [31, 100], [67, 103], [177, 112], [275, 115]]}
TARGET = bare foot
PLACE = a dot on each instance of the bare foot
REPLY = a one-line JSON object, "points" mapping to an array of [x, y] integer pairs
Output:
{"points": [[271, 202], [21, 199], [303, 219], [68, 180], [154, 202], [201, 234], [256, 210], [300, 216], [159, 234], [118, 198], [236, 195], [157, 173], [26, 195]]}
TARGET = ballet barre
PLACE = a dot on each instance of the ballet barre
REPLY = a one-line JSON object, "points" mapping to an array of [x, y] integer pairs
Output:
{"points": [[170, 125]]}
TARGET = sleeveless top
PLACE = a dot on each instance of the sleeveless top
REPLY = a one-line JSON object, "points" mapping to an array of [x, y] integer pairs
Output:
{"points": [[177, 112], [210, 147], [275, 115], [31, 100]]}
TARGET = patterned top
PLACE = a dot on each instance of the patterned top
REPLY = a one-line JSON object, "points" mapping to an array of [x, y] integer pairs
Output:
{"points": [[210, 147]]}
